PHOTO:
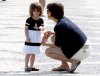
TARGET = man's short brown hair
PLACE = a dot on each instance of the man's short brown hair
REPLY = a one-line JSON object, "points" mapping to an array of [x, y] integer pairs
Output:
{"points": [[56, 9]]}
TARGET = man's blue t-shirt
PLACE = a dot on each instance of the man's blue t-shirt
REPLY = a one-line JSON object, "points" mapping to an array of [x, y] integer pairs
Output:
{"points": [[69, 37]]}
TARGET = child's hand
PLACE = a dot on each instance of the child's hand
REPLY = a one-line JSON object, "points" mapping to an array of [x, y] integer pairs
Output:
{"points": [[41, 28], [27, 40]]}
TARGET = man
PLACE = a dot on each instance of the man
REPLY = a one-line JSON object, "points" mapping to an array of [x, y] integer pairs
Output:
{"points": [[69, 41]]}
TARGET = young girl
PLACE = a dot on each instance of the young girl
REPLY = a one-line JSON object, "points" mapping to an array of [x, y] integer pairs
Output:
{"points": [[33, 27]]}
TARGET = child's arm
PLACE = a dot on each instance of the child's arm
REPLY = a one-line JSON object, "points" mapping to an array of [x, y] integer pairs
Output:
{"points": [[26, 34]]}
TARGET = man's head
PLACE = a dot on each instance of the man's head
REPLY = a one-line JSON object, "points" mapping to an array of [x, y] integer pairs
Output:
{"points": [[55, 10]]}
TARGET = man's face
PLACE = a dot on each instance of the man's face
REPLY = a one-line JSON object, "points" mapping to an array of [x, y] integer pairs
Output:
{"points": [[48, 14]]}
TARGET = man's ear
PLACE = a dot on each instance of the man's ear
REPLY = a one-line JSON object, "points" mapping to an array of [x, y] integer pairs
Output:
{"points": [[49, 14]]}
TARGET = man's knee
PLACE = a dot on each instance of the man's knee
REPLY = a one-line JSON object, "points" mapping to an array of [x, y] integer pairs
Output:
{"points": [[47, 52]]}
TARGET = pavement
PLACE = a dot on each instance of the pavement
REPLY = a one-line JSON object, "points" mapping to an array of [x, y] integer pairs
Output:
{"points": [[13, 13]]}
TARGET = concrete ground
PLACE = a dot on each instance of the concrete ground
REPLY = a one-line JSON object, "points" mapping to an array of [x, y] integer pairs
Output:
{"points": [[13, 13]]}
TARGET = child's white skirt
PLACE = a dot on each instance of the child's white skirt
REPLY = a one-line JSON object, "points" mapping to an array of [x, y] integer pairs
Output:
{"points": [[35, 37]]}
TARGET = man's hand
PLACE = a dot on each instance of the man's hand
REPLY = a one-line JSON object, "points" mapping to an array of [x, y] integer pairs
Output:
{"points": [[45, 38]]}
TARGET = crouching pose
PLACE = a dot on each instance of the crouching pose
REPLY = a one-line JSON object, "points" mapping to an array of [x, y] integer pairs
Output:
{"points": [[69, 43]]}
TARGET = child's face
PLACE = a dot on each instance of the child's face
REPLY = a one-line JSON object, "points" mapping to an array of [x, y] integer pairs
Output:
{"points": [[36, 13]]}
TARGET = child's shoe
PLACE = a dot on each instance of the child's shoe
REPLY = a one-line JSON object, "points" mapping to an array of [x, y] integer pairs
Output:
{"points": [[28, 69], [34, 69]]}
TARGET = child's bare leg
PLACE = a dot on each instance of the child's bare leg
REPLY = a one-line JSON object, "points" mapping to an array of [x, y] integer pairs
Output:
{"points": [[27, 60], [32, 59]]}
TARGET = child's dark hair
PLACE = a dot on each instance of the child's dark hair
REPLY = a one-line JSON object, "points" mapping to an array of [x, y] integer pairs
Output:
{"points": [[36, 6], [56, 9]]}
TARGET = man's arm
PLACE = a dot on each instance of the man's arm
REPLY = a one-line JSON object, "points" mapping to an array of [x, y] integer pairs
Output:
{"points": [[47, 34], [49, 45]]}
